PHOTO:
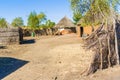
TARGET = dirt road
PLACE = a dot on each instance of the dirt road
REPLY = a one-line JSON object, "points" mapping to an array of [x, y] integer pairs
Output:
{"points": [[51, 58]]}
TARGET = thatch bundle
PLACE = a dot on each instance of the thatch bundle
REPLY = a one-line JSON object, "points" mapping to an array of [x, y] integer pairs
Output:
{"points": [[10, 35], [105, 43], [65, 22]]}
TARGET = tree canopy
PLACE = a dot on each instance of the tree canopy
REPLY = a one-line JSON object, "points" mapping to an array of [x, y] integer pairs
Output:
{"points": [[17, 22], [76, 17], [36, 21], [94, 11], [3, 23], [42, 17], [33, 21], [49, 24]]}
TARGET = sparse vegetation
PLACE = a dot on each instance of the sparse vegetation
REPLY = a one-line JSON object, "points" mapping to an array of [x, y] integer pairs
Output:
{"points": [[18, 22], [3, 23]]}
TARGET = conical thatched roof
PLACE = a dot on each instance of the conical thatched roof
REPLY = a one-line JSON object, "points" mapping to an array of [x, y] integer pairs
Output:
{"points": [[65, 22]]}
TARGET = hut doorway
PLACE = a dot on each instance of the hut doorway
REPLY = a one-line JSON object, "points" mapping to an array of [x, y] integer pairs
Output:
{"points": [[81, 31]]}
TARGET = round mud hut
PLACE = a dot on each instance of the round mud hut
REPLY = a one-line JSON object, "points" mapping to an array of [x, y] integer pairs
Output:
{"points": [[65, 26]]}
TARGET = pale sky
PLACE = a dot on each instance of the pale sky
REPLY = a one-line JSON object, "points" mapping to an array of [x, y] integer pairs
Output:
{"points": [[54, 9]]}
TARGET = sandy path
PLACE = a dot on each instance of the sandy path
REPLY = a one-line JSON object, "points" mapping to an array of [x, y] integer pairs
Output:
{"points": [[49, 59], [56, 58]]}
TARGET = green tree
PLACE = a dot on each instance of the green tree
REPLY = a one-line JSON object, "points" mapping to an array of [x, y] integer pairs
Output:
{"points": [[42, 17], [49, 24], [94, 11], [3, 23], [77, 16], [18, 22], [33, 21]]}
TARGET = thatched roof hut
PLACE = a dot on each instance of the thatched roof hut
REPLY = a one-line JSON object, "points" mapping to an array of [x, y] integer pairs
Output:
{"points": [[65, 22], [65, 26]]}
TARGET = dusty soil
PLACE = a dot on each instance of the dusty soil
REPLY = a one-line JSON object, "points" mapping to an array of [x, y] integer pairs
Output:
{"points": [[55, 58]]}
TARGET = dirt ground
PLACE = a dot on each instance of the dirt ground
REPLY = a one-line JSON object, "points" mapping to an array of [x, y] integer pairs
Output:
{"points": [[53, 58]]}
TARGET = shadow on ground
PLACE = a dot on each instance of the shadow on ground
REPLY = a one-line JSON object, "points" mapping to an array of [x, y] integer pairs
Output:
{"points": [[9, 65], [3, 47], [31, 41]]}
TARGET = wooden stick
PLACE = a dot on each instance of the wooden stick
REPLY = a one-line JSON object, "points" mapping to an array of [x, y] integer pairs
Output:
{"points": [[116, 43], [101, 55], [109, 51]]}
